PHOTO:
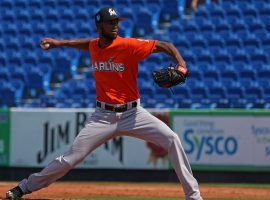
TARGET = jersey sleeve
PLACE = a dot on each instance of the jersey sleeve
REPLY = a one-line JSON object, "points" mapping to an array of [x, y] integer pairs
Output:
{"points": [[92, 44], [141, 49]]}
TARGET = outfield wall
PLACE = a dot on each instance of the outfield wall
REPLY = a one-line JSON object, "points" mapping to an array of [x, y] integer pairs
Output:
{"points": [[214, 140]]}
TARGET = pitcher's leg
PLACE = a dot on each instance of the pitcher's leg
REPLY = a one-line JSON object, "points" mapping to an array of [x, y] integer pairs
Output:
{"points": [[90, 137], [147, 127], [55, 170]]}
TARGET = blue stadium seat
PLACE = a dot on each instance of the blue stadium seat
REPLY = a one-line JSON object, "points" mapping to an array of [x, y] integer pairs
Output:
{"points": [[30, 59], [215, 41], [49, 4], [137, 4], [258, 57], [78, 5], [258, 103], [237, 103], [233, 44], [83, 62], [90, 103], [3, 60], [155, 9], [25, 30], [232, 10], [8, 16], [154, 60], [266, 95], [144, 75], [202, 12], [211, 74], [146, 93], [253, 93], [15, 59], [239, 25], [222, 57], [9, 99], [47, 72], [190, 26], [248, 74], [195, 74], [18, 86], [35, 79], [93, 3], [13, 45], [4, 74], [261, 33], [181, 42], [19, 74], [169, 12], [127, 25], [7, 4], [35, 5], [10, 29], [34, 103], [37, 15], [181, 92], [54, 29], [125, 3], [229, 75], [264, 75], [234, 92], [198, 44], [189, 57], [266, 43], [206, 27], [215, 11], [69, 30], [265, 11], [264, 83], [184, 103], [64, 5], [143, 25], [66, 14], [61, 71], [63, 105], [240, 57], [215, 93], [198, 93], [47, 101], [128, 13], [176, 27], [251, 43], [39, 29], [249, 11], [259, 5], [22, 16], [204, 58], [51, 14], [80, 92], [83, 16]]}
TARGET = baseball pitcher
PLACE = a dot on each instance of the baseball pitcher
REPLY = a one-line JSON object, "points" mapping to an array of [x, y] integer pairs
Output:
{"points": [[118, 112]]}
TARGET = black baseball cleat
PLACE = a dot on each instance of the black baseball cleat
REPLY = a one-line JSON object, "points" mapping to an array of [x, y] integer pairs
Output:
{"points": [[15, 193]]}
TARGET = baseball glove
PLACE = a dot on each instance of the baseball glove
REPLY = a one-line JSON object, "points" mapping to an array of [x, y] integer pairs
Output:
{"points": [[170, 76]]}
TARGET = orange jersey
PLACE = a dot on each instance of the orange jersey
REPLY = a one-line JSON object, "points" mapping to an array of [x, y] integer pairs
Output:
{"points": [[115, 68]]}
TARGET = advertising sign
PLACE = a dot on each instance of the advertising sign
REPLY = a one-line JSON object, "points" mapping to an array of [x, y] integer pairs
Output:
{"points": [[224, 140], [4, 137], [40, 135]]}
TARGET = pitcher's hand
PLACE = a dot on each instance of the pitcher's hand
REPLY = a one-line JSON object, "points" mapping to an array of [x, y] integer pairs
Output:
{"points": [[48, 43]]}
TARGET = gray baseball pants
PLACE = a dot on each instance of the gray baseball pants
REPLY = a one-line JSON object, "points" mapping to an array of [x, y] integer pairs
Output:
{"points": [[103, 125]]}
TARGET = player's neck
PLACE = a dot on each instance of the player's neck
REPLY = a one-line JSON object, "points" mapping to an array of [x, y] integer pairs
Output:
{"points": [[104, 42]]}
